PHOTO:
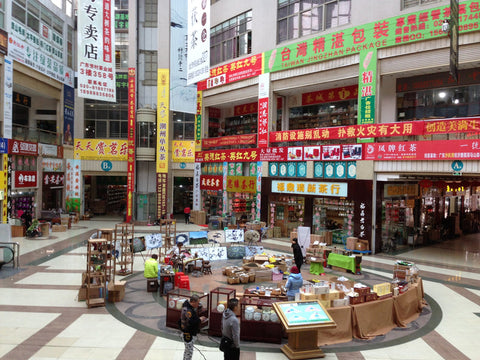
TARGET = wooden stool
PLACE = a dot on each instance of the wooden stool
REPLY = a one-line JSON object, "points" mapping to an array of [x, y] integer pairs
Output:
{"points": [[152, 284], [207, 267]]}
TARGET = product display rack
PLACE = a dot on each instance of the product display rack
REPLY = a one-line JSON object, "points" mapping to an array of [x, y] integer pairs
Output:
{"points": [[259, 330], [96, 275], [239, 125], [320, 116], [218, 296], [124, 234], [175, 299], [115, 195]]}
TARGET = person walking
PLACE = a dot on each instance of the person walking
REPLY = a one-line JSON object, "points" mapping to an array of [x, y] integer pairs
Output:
{"points": [[190, 325], [231, 330], [297, 253], [187, 211], [294, 283]]}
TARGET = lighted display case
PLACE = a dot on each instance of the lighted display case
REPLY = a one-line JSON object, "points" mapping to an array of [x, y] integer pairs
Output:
{"points": [[259, 322], [218, 296], [175, 300]]}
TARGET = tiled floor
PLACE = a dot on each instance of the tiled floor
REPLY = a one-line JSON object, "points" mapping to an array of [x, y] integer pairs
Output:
{"points": [[40, 317]]}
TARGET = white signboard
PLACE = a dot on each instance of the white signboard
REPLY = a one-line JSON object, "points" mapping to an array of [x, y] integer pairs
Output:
{"points": [[198, 57], [234, 235], [96, 50], [336, 189], [8, 98]]}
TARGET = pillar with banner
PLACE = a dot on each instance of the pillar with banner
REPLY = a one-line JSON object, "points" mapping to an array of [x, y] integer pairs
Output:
{"points": [[131, 144], [163, 110]]}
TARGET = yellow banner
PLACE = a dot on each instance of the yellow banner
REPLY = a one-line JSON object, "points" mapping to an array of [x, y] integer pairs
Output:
{"points": [[183, 151], [100, 149], [242, 184], [163, 110]]}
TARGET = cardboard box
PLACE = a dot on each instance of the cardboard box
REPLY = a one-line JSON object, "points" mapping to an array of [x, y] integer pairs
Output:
{"points": [[263, 275], [304, 296], [351, 242], [341, 302], [59, 228], [260, 259], [357, 300], [326, 303], [360, 246]]}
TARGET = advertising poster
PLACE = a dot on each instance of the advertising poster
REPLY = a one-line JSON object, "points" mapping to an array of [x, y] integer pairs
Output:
{"points": [[73, 185], [68, 114], [100, 149], [8, 98], [96, 50], [198, 63]]}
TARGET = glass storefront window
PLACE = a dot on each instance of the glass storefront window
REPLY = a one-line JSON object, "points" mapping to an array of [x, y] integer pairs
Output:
{"points": [[339, 113], [286, 212], [334, 215]]}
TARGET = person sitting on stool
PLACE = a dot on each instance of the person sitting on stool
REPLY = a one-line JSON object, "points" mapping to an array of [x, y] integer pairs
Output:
{"points": [[151, 267]]}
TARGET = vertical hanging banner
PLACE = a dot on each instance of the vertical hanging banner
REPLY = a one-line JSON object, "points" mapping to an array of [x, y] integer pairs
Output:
{"points": [[263, 94], [163, 115], [131, 144], [258, 201], [73, 185], [198, 56], [198, 122], [96, 49], [197, 172], [224, 187], [8, 98], [4, 188], [68, 114], [367, 85]]}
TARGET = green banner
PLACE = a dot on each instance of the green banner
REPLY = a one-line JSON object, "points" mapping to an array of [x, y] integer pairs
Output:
{"points": [[367, 89], [404, 29]]}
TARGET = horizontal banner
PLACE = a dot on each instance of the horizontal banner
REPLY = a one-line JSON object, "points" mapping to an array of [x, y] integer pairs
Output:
{"points": [[230, 140], [242, 184], [211, 182], [424, 150], [100, 149]]}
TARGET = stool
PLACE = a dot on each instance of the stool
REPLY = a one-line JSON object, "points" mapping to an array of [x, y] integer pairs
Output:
{"points": [[152, 284], [184, 283], [178, 275], [207, 267]]}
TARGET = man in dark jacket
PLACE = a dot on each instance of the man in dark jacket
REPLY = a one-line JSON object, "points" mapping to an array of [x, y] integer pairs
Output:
{"points": [[190, 324], [297, 253], [231, 330]]}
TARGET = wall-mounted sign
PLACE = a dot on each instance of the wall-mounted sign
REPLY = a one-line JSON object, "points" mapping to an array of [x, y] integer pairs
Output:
{"points": [[336, 189], [100, 149], [52, 179], [25, 179], [211, 182], [17, 147], [183, 151], [242, 184], [106, 165]]}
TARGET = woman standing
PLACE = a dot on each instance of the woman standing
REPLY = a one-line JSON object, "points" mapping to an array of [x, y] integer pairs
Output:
{"points": [[294, 283], [297, 253], [231, 330]]}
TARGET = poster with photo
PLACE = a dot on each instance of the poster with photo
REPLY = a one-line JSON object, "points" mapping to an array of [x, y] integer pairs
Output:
{"points": [[153, 241]]}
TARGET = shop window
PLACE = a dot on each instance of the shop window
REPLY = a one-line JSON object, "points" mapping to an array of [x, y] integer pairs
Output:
{"points": [[462, 101], [121, 50], [406, 4], [231, 39], [18, 12], [286, 213], [183, 126], [335, 215], [296, 19], [146, 134], [340, 113], [243, 124]]}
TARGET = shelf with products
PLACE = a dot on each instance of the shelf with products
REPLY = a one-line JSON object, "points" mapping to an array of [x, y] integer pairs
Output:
{"points": [[175, 300], [333, 214], [96, 274], [116, 194], [340, 113], [246, 124], [258, 321]]}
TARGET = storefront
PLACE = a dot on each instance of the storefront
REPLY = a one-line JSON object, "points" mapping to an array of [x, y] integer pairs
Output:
{"points": [[343, 207]]}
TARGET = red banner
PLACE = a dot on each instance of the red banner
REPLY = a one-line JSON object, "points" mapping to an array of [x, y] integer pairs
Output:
{"points": [[451, 126], [25, 179], [245, 109], [274, 154], [107, 30], [211, 182], [230, 140], [263, 123], [424, 150], [241, 155], [406, 128], [131, 144], [234, 71], [330, 95]]}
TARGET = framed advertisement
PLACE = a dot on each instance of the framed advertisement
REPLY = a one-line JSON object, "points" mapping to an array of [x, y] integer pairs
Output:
{"points": [[303, 314]]}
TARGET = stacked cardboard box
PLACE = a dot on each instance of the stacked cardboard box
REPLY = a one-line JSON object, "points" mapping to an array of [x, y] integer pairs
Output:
{"points": [[116, 291], [407, 273]]}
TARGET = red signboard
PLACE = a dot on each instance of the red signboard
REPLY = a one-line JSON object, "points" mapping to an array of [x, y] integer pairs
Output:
{"points": [[19, 147], [52, 179], [263, 122], [230, 140], [211, 182], [25, 179], [274, 154], [424, 150], [245, 109], [406, 128], [234, 71], [241, 155], [330, 95]]}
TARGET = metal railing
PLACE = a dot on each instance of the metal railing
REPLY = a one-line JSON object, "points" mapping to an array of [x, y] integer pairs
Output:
{"points": [[20, 132]]}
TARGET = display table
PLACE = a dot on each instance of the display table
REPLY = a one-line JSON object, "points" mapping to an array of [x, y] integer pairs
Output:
{"points": [[316, 267], [164, 278], [373, 318], [343, 261]]}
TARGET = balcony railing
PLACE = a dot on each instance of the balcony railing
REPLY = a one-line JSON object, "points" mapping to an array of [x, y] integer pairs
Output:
{"points": [[25, 133]]}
